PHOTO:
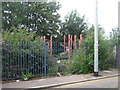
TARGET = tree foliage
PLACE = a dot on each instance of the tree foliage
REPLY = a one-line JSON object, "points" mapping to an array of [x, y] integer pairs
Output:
{"points": [[41, 17], [74, 24], [114, 35]]}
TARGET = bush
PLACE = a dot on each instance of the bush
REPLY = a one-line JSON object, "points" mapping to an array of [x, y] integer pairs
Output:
{"points": [[83, 59], [81, 63]]}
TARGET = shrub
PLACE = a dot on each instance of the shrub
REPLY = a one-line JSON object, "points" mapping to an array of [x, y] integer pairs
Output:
{"points": [[83, 62]]}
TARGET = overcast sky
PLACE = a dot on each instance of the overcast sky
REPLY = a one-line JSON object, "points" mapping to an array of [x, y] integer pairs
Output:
{"points": [[107, 11]]}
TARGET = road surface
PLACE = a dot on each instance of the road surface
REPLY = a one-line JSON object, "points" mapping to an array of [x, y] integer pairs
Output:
{"points": [[101, 83]]}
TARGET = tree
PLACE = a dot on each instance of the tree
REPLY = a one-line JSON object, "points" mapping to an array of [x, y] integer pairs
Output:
{"points": [[114, 36], [41, 17], [74, 24]]}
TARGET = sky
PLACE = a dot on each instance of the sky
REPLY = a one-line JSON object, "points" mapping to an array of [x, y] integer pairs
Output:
{"points": [[107, 11]]}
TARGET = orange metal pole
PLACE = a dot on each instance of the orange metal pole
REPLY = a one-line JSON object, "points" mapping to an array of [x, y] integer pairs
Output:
{"points": [[79, 42], [44, 38], [68, 48], [51, 45], [71, 44], [64, 43], [74, 41], [81, 38]]}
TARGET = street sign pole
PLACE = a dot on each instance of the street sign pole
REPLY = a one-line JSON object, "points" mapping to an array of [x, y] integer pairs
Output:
{"points": [[96, 42]]}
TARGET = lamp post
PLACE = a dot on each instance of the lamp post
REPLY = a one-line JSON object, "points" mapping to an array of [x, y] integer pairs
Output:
{"points": [[96, 41], [119, 35]]}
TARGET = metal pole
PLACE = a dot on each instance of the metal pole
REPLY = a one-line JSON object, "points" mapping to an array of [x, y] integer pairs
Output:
{"points": [[45, 72], [64, 43], [51, 45], [74, 41], [96, 42], [118, 35], [69, 48]]}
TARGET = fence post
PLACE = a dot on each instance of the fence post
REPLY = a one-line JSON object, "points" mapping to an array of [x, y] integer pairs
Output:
{"points": [[44, 38], [51, 45], [74, 41], [68, 48], [116, 59], [80, 40], [44, 61], [79, 43], [19, 60], [64, 43], [3, 63], [81, 37], [71, 43]]}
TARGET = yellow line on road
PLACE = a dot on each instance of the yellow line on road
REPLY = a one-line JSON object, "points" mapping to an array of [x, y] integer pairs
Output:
{"points": [[86, 82]]}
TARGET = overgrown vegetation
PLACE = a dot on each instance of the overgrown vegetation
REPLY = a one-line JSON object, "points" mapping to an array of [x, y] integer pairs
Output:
{"points": [[83, 59], [24, 22], [22, 53]]}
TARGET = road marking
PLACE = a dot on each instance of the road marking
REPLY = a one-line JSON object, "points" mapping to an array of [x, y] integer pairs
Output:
{"points": [[86, 82], [72, 83]]}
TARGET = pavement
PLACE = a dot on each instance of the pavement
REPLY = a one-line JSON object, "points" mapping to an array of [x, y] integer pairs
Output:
{"points": [[57, 81]]}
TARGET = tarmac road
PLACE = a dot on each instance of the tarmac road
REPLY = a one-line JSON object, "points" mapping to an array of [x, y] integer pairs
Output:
{"points": [[101, 83]]}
